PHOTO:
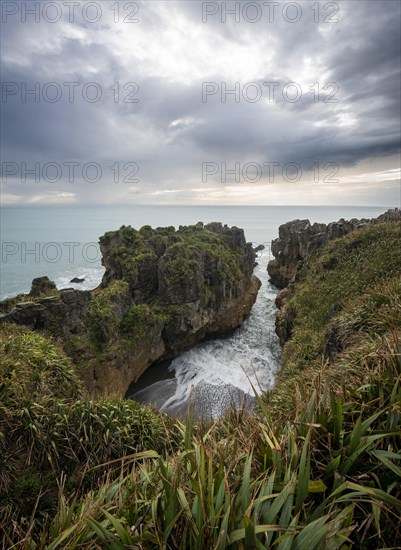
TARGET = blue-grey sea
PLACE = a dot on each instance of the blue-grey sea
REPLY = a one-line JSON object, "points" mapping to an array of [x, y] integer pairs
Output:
{"points": [[62, 242]]}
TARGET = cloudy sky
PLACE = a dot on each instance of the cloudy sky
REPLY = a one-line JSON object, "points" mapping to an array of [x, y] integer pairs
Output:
{"points": [[191, 102]]}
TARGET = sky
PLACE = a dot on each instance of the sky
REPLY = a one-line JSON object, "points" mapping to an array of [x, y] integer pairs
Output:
{"points": [[191, 102]]}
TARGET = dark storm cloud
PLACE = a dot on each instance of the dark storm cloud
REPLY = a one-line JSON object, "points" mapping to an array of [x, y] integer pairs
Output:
{"points": [[369, 42], [172, 129]]}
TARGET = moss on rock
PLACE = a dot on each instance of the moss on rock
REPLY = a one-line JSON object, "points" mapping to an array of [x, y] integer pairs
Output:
{"points": [[140, 320], [177, 266], [106, 310]]}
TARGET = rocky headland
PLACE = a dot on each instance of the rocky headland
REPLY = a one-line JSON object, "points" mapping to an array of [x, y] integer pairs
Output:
{"points": [[300, 240], [298, 237], [163, 291]]}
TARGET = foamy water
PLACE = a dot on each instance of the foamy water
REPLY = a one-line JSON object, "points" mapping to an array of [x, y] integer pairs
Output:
{"points": [[92, 277], [219, 373]]}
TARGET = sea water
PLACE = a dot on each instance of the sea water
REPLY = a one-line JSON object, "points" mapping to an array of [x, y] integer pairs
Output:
{"points": [[62, 243]]}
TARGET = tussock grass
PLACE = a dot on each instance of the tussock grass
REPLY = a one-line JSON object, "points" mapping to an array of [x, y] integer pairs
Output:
{"points": [[351, 309], [315, 466], [327, 478], [50, 430]]}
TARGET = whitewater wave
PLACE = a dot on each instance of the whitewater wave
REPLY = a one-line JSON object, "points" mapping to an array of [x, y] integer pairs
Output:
{"points": [[92, 276], [217, 374]]}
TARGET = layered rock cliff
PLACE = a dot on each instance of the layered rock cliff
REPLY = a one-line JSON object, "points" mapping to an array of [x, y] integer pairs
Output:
{"points": [[296, 238], [338, 318], [298, 241], [163, 291]]}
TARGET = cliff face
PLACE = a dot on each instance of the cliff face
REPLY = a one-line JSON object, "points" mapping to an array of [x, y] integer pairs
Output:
{"points": [[298, 241], [337, 318], [298, 237], [176, 266], [163, 291]]}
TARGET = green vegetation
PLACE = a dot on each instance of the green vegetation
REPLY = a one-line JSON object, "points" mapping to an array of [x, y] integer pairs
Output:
{"points": [[183, 273], [33, 368], [42, 285], [316, 466], [181, 256], [52, 434], [136, 247], [111, 319], [350, 307], [215, 247], [7, 305], [104, 312], [152, 274], [140, 321]]}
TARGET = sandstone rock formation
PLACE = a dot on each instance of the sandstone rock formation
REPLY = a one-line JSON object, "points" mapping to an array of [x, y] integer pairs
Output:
{"points": [[163, 291], [42, 285], [62, 314], [296, 240], [298, 237]]}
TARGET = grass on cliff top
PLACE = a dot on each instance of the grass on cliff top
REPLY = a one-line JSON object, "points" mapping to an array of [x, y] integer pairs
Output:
{"points": [[32, 367], [347, 297], [360, 260]]}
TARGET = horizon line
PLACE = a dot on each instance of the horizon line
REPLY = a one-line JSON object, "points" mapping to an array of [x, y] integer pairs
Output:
{"points": [[195, 205]]}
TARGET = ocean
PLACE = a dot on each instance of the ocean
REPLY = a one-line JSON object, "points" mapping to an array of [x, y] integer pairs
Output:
{"points": [[62, 243]]}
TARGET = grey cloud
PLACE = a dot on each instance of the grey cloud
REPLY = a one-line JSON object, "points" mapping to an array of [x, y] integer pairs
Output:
{"points": [[360, 53]]}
